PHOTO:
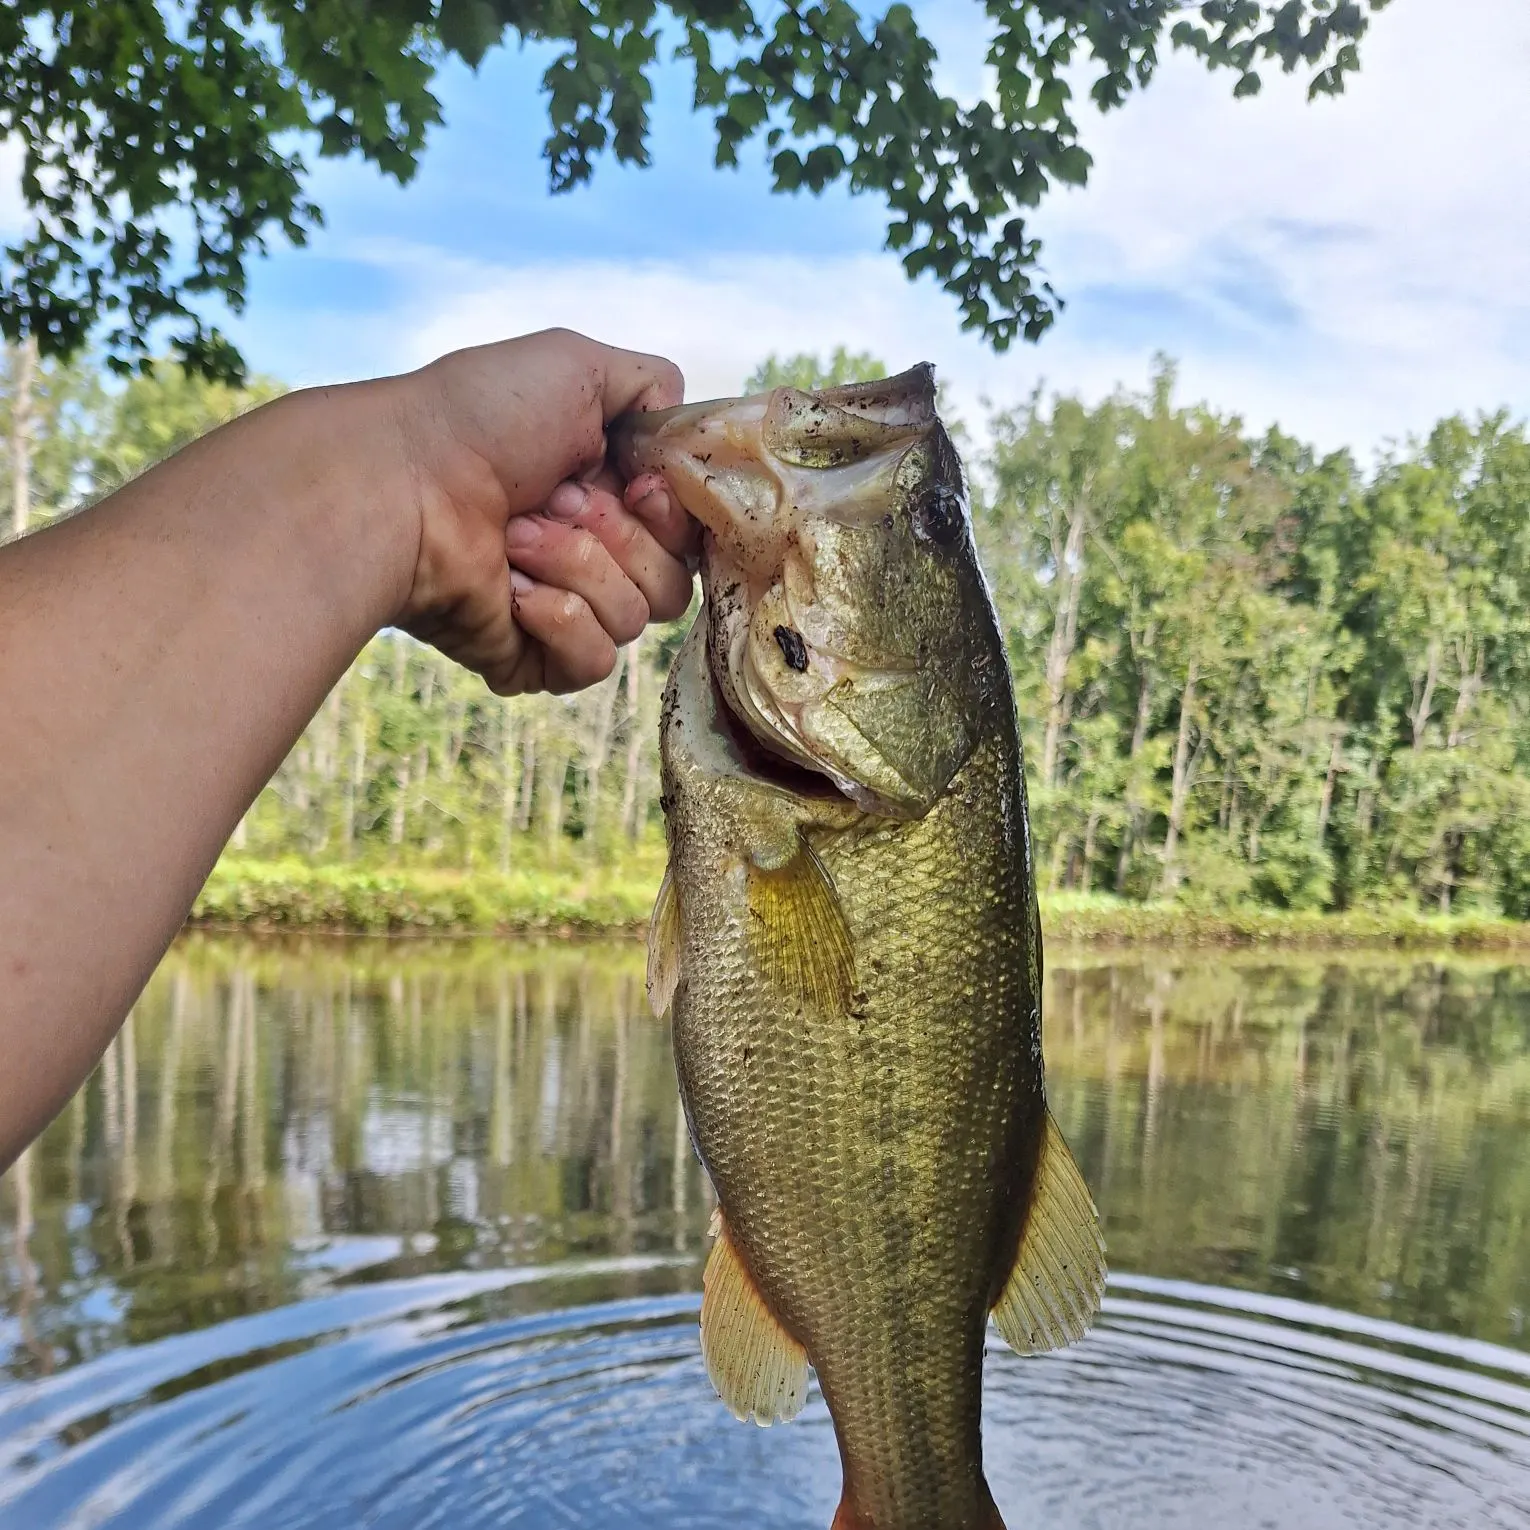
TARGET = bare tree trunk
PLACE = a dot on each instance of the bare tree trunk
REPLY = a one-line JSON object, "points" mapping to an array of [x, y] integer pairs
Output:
{"points": [[604, 704], [1325, 802], [1466, 694], [529, 773], [1060, 847], [401, 777], [554, 780], [23, 384], [1229, 781], [1365, 807], [1139, 739], [509, 782], [356, 781], [1089, 832], [1423, 703], [630, 820], [446, 767], [1470, 685], [1180, 791], [1070, 579]]}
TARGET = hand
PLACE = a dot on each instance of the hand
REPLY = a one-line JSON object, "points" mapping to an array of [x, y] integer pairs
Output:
{"points": [[531, 568]]}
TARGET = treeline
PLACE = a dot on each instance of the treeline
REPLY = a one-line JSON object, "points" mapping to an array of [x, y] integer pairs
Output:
{"points": [[1247, 674]]}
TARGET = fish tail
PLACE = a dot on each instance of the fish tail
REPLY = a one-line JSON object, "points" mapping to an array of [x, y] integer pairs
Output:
{"points": [[848, 1517]]}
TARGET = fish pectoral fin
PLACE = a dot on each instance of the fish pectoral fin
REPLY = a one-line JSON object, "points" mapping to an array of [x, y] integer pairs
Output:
{"points": [[1054, 1290], [664, 947], [798, 933], [759, 1370]]}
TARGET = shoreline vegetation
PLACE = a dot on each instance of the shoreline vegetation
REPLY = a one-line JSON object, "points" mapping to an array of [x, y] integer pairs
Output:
{"points": [[1267, 695], [290, 896]]}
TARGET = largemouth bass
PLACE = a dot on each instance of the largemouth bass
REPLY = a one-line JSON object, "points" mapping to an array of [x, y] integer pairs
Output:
{"points": [[848, 946]]}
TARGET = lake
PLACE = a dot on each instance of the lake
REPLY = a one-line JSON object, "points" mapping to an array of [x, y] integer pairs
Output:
{"points": [[392, 1234]]}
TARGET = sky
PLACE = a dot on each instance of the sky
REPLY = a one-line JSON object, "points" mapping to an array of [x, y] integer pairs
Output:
{"points": [[1351, 269]]}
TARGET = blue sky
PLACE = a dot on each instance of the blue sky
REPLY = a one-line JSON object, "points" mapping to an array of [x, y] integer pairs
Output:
{"points": [[1351, 269]]}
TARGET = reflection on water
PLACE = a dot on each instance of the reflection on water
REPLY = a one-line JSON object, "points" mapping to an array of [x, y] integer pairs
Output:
{"points": [[377, 1218]]}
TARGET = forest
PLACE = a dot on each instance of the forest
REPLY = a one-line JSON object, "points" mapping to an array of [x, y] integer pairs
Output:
{"points": [[1248, 674]]}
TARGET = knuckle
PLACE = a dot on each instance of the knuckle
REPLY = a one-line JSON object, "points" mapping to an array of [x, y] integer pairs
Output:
{"points": [[586, 548]]}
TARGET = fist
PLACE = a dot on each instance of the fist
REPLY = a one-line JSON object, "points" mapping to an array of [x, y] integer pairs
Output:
{"points": [[535, 560]]}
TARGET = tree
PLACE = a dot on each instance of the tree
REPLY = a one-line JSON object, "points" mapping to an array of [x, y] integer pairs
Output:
{"points": [[136, 120], [807, 372], [48, 419], [161, 410]]}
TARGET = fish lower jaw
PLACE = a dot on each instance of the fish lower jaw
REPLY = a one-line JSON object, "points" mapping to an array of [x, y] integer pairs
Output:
{"points": [[763, 750]]}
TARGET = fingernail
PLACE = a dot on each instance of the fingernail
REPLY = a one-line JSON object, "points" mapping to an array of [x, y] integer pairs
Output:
{"points": [[568, 500], [523, 531], [654, 506], [643, 488], [521, 584]]}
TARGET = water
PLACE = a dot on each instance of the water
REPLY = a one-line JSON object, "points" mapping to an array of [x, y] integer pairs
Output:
{"points": [[381, 1235]]}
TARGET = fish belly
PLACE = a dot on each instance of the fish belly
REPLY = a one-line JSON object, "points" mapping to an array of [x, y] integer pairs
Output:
{"points": [[873, 1164]]}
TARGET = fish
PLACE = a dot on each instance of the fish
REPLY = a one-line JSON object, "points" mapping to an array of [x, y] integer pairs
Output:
{"points": [[847, 942]]}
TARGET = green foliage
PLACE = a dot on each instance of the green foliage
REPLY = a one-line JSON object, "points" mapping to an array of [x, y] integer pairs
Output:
{"points": [[87, 438], [808, 372], [162, 409], [137, 118], [292, 893], [1248, 678], [1246, 674], [65, 400]]}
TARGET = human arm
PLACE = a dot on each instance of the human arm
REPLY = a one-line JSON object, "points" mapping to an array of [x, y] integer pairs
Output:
{"points": [[161, 652]]}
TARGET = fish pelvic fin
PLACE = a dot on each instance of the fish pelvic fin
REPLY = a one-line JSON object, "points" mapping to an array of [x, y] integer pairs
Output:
{"points": [[1054, 1290], [798, 933], [760, 1371], [664, 947]]}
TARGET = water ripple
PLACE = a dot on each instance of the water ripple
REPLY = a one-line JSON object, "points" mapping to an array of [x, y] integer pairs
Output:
{"points": [[451, 1400]]}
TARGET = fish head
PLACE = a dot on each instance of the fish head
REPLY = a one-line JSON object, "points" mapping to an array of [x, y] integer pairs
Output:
{"points": [[849, 628]]}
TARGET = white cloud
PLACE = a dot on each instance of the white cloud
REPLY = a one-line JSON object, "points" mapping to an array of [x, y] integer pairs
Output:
{"points": [[718, 318], [1352, 268]]}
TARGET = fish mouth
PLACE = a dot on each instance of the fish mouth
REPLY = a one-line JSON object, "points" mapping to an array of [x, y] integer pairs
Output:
{"points": [[769, 765], [763, 475], [749, 468]]}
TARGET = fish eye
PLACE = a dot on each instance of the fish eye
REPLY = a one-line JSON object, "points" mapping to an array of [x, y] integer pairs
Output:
{"points": [[938, 515]]}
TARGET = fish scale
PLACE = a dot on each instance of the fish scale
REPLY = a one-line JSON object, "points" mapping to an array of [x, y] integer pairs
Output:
{"points": [[853, 971]]}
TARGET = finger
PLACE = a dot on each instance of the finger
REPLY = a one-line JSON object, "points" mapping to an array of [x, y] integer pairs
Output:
{"points": [[637, 381], [648, 497], [576, 649], [572, 558], [475, 626], [664, 580]]}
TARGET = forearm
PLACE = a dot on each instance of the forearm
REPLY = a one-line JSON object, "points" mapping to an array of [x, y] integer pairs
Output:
{"points": [[159, 654]]}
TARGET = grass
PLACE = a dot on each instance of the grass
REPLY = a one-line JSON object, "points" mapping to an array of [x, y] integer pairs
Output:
{"points": [[1111, 921], [291, 894]]}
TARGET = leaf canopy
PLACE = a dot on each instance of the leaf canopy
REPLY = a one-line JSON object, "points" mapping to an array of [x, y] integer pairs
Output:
{"points": [[165, 143]]}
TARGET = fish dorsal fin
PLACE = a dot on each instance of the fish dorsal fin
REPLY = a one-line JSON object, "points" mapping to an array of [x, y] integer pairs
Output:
{"points": [[664, 947], [759, 1370], [798, 933], [1054, 1290]]}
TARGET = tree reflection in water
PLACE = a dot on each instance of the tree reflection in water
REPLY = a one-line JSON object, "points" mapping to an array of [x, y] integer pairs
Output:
{"points": [[279, 1116]]}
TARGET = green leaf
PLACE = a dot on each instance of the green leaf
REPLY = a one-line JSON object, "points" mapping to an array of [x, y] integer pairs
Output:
{"points": [[469, 28]]}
